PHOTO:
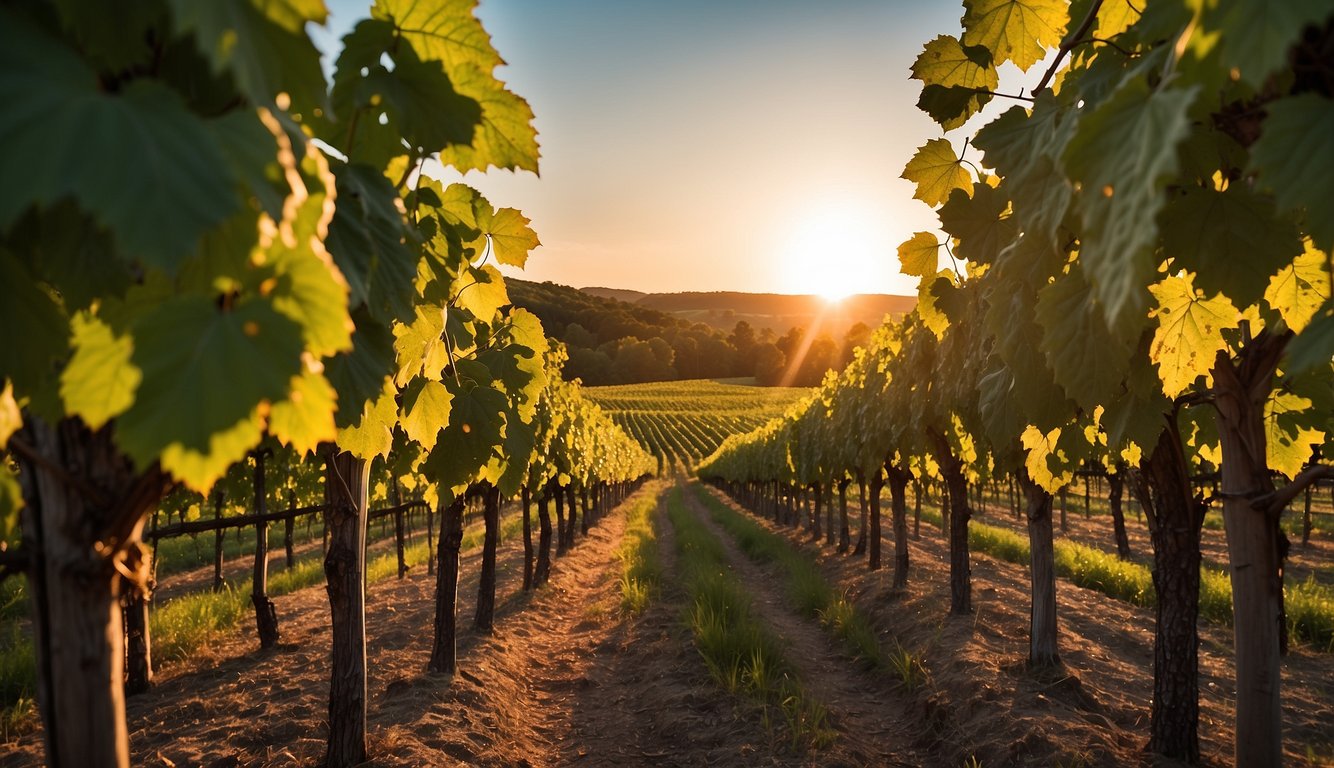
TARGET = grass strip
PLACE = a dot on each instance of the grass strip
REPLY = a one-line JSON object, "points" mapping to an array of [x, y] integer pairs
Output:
{"points": [[641, 570], [740, 653], [807, 589]]}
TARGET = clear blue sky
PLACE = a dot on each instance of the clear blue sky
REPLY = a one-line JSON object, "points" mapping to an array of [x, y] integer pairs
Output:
{"points": [[715, 145]]}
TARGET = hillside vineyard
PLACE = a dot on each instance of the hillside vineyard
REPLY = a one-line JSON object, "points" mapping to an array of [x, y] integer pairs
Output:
{"points": [[272, 415]]}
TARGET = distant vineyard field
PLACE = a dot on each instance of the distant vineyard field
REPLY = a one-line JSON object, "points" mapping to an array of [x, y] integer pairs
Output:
{"points": [[681, 422]]}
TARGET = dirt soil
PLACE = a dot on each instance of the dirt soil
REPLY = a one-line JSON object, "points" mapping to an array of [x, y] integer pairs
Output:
{"points": [[569, 679]]}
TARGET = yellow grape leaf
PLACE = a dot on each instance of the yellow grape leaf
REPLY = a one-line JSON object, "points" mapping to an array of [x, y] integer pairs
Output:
{"points": [[372, 435], [1044, 462], [1298, 290], [944, 62], [1115, 17], [11, 420], [1015, 30], [198, 470], [306, 418], [100, 381], [1190, 332], [1288, 441], [937, 171], [918, 256]]}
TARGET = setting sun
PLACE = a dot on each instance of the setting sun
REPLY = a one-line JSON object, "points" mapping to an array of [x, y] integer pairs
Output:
{"points": [[836, 250]]}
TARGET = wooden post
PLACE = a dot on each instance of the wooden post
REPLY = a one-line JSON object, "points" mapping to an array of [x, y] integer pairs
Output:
{"points": [[266, 614], [345, 575], [287, 532], [217, 542]]}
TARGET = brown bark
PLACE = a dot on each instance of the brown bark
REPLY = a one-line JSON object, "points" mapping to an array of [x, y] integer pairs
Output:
{"points": [[526, 500], [844, 537], [444, 648], [217, 542], [956, 486], [1042, 643], [266, 613], [1256, 547], [138, 644], [542, 573], [559, 494], [346, 481], [1162, 486], [898, 483], [873, 548], [1116, 482], [817, 491], [864, 513], [486, 584]]}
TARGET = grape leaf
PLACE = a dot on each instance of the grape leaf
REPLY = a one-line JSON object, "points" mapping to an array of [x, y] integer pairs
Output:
{"points": [[1310, 350], [919, 255], [476, 428], [36, 322], [306, 417], [11, 419], [137, 160], [420, 346], [371, 434], [1020, 31], [1046, 463], [1190, 332], [360, 375], [1289, 434], [100, 380], [368, 239], [482, 292], [262, 44], [1232, 240], [1087, 359], [1255, 35], [11, 501], [441, 30], [1298, 290], [511, 237], [952, 77], [937, 171], [425, 411], [1293, 155], [1123, 154], [1023, 148], [205, 372], [980, 223]]}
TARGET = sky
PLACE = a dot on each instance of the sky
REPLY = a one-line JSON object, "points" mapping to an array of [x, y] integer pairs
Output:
{"points": [[704, 145]]}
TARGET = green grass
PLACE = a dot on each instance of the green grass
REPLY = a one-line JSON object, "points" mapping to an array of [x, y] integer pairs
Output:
{"points": [[640, 569], [807, 589], [741, 655]]}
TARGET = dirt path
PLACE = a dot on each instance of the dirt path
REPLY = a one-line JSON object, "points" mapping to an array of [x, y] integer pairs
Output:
{"points": [[865, 708]]}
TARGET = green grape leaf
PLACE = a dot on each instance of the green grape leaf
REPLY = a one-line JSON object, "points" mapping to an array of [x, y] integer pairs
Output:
{"points": [[359, 376], [951, 105], [250, 149], [262, 44], [1023, 149], [980, 223], [1293, 155], [1020, 31], [996, 402], [511, 237], [368, 239], [199, 469], [1087, 359], [1289, 434], [441, 30], [475, 431], [100, 381], [372, 432], [1232, 240], [504, 138], [1136, 414], [306, 417], [1310, 350], [65, 248], [38, 326], [520, 444], [1298, 289], [137, 160], [1190, 332], [919, 256], [205, 372], [937, 171], [1123, 154], [111, 35], [425, 411], [1254, 35]]}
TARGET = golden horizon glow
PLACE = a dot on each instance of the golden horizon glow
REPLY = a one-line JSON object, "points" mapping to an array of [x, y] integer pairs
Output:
{"points": [[831, 248]]}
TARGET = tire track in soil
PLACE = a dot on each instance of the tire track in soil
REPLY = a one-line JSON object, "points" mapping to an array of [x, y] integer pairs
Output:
{"points": [[872, 719], [615, 690]]}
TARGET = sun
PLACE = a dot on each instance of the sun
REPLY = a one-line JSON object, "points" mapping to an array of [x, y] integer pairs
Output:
{"points": [[835, 250]]}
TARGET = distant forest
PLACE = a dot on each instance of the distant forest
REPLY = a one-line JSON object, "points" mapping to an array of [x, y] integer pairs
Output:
{"points": [[615, 342]]}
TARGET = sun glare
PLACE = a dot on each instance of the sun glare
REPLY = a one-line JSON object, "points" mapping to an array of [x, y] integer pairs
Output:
{"points": [[835, 251]]}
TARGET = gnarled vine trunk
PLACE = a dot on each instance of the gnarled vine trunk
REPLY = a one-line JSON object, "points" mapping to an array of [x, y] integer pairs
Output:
{"points": [[898, 483], [266, 613], [486, 583], [542, 573], [873, 548], [956, 486], [526, 501], [444, 649], [346, 480], [1042, 638]]}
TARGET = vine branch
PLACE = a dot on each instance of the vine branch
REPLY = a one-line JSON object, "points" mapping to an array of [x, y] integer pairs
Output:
{"points": [[1275, 502], [1068, 43]]}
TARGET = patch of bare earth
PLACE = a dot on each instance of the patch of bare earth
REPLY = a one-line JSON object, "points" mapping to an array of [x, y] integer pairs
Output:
{"points": [[981, 702], [870, 714]]}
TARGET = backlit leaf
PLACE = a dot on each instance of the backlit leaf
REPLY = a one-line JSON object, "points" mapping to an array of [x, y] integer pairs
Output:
{"points": [[1015, 30], [1293, 155], [919, 255], [937, 171], [100, 380], [1298, 290], [1189, 334]]}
